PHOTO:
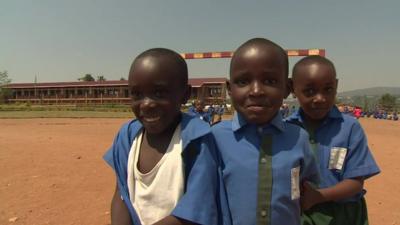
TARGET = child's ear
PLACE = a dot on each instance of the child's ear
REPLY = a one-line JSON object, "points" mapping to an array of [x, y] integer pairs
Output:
{"points": [[228, 87], [336, 85], [187, 93], [289, 87]]}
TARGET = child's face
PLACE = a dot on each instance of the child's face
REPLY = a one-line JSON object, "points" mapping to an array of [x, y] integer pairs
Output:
{"points": [[199, 106], [258, 83], [157, 93], [315, 88]]}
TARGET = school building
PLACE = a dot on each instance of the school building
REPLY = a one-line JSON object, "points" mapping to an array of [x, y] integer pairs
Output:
{"points": [[210, 90]]}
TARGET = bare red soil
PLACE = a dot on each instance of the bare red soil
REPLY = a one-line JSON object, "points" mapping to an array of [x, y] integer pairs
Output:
{"points": [[52, 172]]}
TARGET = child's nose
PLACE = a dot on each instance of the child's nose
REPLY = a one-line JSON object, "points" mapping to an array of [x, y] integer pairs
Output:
{"points": [[319, 98], [256, 88], [147, 103]]}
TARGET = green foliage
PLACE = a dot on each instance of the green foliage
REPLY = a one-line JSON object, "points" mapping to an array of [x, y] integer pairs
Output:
{"points": [[87, 77], [101, 78], [366, 104], [4, 80], [387, 101]]}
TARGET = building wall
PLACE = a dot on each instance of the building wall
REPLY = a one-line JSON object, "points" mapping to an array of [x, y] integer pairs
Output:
{"points": [[214, 93]]}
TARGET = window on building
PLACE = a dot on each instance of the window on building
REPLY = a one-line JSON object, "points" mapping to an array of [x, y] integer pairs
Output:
{"points": [[214, 91]]}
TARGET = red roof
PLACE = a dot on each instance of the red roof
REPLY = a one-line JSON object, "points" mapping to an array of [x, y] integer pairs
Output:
{"points": [[69, 84], [195, 82]]}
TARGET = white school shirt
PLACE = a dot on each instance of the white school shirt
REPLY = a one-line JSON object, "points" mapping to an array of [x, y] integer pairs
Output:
{"points": [[155, 194]]}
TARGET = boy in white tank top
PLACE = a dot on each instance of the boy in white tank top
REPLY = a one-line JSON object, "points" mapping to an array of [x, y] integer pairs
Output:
{"points": [[164, 160]]}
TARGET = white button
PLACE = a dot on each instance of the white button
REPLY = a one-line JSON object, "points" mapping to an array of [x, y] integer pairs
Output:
{"points": [[263, 213], [263, 160], [260, 130]]}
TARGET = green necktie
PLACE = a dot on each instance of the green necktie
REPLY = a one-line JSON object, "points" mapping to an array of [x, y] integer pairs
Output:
{"points": [[264, 181], [314, 149]]}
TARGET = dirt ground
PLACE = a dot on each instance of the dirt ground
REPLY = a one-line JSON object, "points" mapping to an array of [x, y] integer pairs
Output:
{"points": [[52, 172]]}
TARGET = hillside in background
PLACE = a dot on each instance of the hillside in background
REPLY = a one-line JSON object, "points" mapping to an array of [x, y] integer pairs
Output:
{"points": [[367, 98], [375, 91]]}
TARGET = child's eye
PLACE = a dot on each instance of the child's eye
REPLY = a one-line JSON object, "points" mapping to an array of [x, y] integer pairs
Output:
{"points": [[160, 93], [309, 92], [330, 89], [270, 81], [136, 95], [241, 82]]}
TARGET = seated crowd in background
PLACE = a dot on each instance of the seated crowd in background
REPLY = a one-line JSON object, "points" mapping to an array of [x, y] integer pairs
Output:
{"points": [[377, 113]]}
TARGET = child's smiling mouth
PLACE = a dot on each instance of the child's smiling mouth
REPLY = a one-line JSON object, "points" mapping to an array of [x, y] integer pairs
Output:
{"points": [[256, 107], [151, 119]]}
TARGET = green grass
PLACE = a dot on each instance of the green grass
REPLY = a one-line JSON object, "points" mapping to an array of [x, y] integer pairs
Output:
{"points": [[66, 111], [63, 114]]}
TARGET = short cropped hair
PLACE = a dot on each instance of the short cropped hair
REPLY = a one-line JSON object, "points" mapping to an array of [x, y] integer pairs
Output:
{"points": [[266, 43], [176, 58], [308, 60]]}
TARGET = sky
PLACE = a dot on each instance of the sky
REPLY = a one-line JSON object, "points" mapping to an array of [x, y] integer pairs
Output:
{"points": [[64, 40]]}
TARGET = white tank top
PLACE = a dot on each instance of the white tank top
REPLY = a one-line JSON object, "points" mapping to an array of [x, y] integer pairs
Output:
{"points": [[155, 194]]}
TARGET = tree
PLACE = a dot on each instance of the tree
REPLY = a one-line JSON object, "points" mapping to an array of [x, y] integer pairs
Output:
{"points": [[101, 78], [387, 101], [4, 80], [122, 79], [366, 104], [87, 77]]}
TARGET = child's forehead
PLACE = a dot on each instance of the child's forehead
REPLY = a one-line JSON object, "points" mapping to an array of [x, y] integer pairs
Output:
{"points": [[314, 74], [155, 62], [316, 69], [156, 68], [156, 78], [262, 53], [257, 50]]}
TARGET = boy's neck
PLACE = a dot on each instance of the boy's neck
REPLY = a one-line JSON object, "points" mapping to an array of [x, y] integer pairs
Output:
{"points": [[242, 120], [312, 124], [160, 141]]}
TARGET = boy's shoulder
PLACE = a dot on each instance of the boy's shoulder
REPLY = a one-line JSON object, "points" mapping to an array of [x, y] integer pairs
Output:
{"points": [[347, 118], [293, 130], [345, 121], [193, 128], [194, 123], [189, 123], [292, 125], [131, 127], [350, 123], [222, 125]]}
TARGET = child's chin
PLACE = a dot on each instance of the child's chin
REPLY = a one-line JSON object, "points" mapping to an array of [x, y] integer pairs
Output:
{"points": [[318, 116], [153, 130], [258, 120]]}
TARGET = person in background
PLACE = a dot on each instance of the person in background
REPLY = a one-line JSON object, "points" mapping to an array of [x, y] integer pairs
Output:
{"points": [[198, 110]]}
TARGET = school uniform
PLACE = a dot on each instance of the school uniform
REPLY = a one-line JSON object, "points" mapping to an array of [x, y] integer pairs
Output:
{"points": [[198, 201], [259, 184], [342, 151]]}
